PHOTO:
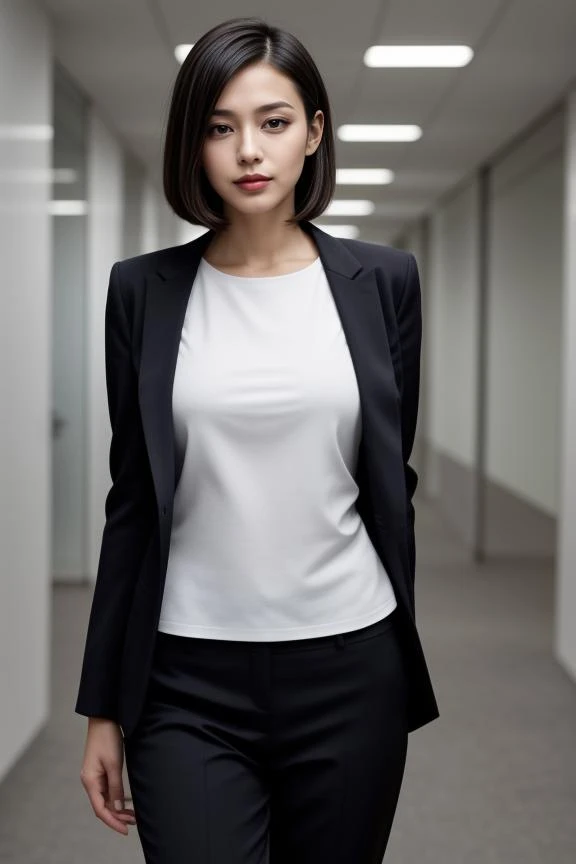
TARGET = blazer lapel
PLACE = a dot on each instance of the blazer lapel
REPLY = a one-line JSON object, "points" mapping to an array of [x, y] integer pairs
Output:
{"points": [[368, 328], [167, 293]]}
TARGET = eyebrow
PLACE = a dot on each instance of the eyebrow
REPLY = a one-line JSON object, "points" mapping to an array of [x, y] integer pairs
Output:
{"points": [[225, 112]]}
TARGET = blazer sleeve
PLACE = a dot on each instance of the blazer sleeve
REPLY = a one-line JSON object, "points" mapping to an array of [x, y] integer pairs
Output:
{"points": [[409, 320], [128, 510]]}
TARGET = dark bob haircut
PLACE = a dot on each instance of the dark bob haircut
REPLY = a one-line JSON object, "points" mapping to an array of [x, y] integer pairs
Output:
{"points": [[215, 58]]}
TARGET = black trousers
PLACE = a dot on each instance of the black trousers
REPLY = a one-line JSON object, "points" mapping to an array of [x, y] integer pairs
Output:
{"points": [[279, 752]]}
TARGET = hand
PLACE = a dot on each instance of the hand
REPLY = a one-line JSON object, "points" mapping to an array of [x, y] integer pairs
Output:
{"points": [[101, 773]]}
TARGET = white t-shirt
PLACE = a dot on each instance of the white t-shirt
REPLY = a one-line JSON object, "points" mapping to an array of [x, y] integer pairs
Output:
{"points": [[266, 540]]}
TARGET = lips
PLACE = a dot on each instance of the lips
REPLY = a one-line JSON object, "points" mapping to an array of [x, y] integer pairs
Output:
{"points": [[253, 183], [252, 178]]}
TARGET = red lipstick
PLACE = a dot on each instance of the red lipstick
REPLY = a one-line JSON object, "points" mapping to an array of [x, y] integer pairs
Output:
{"points": [[252, 182]]}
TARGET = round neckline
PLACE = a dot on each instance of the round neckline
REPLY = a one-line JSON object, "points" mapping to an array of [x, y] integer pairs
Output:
{"points": [[260, 278]]}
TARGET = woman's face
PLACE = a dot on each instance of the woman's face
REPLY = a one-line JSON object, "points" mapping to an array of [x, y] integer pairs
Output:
{"points": [[251, 133]]}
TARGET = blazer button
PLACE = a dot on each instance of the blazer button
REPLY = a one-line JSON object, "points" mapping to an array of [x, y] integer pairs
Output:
{"points": [[164, 511]]}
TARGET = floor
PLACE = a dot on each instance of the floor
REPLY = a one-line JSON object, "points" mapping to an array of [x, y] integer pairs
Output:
{"points": [[493, 781]]}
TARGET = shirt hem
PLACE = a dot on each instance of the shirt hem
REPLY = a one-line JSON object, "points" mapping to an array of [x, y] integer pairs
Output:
{"points": [[175, 628]]}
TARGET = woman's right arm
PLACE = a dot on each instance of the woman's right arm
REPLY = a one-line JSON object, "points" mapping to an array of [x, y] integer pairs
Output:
{"points": [[129, 511]]}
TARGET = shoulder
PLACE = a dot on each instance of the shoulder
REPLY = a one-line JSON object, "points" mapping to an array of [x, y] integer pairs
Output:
{"points": [[138, 267], [398, 267], [129, 275], [395, 261]]}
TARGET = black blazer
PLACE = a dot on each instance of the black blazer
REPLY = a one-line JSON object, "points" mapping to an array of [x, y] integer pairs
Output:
{"points": [[377, 294]]}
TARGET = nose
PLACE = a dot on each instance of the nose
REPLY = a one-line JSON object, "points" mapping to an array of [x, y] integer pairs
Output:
{"points": [[249, 149]]}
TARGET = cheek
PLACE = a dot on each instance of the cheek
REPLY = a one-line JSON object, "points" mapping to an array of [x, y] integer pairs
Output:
{"points": [[212, 158], [285, 151], [297, 157], [298, 149]]}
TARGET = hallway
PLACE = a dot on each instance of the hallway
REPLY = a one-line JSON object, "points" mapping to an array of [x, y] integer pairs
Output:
{"points": [[493, 781]]}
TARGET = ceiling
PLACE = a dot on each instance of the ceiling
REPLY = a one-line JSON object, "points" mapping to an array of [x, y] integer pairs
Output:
{"points": [[121, 53]]}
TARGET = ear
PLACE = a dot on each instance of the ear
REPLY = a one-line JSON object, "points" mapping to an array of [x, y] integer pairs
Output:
{"points": [[315, 130]]}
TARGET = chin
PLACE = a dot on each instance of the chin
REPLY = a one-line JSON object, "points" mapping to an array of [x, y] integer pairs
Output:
{"points": [[256, 208]]}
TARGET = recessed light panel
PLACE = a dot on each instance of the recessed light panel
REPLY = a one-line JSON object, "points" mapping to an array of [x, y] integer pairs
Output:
{"points": [[418, 56], [364, 176], [182, 51], [350, 207], [67, 208], [350, 232], [377, 132]]}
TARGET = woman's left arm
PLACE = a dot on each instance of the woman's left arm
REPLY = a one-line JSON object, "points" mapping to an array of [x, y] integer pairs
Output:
{"points": [[409, 319]]}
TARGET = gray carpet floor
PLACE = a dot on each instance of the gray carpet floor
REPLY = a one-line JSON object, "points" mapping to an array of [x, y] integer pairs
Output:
{"points": [[493, 781]]}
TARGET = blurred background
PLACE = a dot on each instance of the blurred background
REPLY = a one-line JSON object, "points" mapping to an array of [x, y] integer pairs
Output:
{"points": [[474, 171]]}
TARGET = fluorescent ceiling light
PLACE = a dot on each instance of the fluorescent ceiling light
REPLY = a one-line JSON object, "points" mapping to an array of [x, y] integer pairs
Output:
{"points": [[349, 208], [364, 176], [350, 232], [28, 132], [418, 56], [182, 51], [375, 132], [67, 208]]}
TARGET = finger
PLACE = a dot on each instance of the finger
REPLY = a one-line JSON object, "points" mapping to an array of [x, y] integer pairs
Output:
{"points": [[115, 788], [98, 802], [125, 814], [108, 817], [124, 811]]}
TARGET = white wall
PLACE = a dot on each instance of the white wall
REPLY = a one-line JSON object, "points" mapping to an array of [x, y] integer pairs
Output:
{"points": [[452, 326], [25, 377], [566, 562], [133, 206], [149, 223], [105, 226], [150, 218], [524, 322], [169, 232], [524, 318]]}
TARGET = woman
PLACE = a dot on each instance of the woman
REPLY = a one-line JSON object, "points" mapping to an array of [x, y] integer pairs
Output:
{"points": [[251, 646]]}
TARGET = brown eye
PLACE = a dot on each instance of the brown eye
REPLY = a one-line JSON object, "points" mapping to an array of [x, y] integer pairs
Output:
{"points": [[217, 126], [277, 120]]}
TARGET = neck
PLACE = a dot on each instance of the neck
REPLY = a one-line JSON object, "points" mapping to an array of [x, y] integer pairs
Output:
{"points": [[260, 242]]}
